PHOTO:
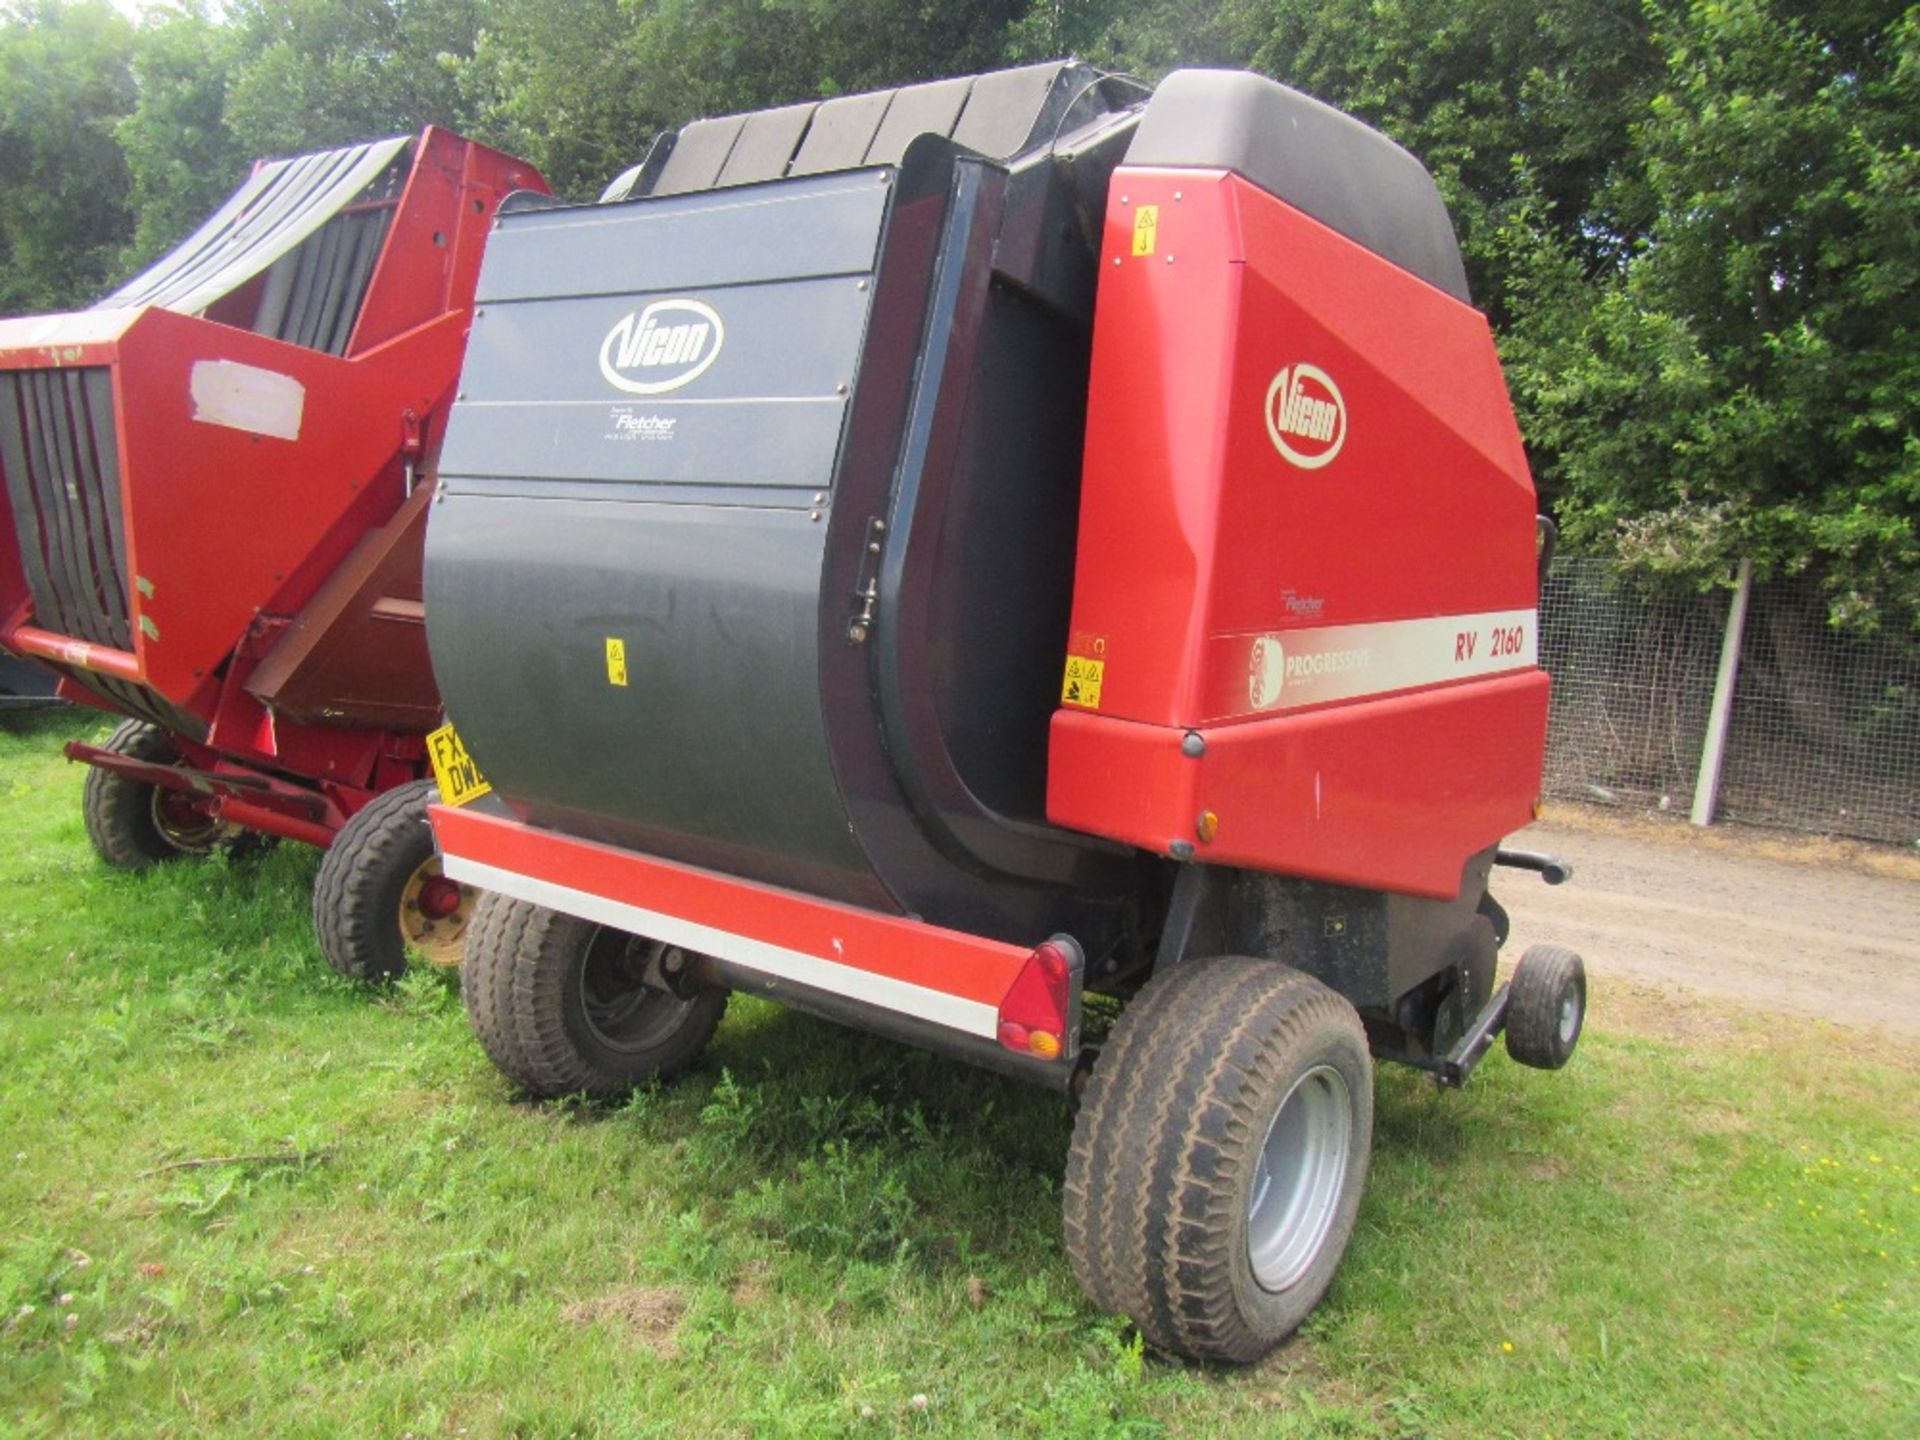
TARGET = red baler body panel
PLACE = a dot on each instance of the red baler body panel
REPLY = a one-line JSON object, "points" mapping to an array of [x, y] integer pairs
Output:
{"points": [[243, 473], [1338, 598]]}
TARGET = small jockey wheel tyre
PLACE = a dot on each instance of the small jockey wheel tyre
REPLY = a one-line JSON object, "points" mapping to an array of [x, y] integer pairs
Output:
{"points": [[1219, 1156], [136, 825], [1547, 1007], [380, 895], [563, 1006]]}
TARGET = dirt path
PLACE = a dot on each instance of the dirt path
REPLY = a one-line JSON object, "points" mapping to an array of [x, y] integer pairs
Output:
{"points": [[1770, 934]]}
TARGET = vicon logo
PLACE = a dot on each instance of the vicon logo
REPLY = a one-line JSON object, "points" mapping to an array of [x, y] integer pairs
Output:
{"points": [[669, 344], [1306, 417]]}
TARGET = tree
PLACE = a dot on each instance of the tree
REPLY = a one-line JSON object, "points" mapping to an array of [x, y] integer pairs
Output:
{"points": [[182, 157], [316, 73], [65, 84], [1745, 382]]}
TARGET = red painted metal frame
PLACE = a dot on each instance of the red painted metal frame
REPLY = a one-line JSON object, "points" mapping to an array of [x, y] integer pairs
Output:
{"points": [[948, 962], [1198, 536], [230, 533]]}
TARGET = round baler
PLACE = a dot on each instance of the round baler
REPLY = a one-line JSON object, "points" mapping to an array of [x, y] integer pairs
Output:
{"points": [[929, 555]]}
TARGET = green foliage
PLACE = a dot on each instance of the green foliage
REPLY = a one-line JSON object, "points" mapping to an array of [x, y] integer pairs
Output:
{"points": [[182, 156], [1693, 223], [1744, 381], [820, 1233], [65, 79]]}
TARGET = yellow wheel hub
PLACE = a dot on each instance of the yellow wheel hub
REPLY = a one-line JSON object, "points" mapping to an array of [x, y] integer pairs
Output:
{"points": [[434, 912]]}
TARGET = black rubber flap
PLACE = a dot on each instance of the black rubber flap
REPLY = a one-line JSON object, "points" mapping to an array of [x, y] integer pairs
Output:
{"points": [[916, 111], [842, 133], [1323, 163], [766, 144], [699, 155], [1002, 114]]}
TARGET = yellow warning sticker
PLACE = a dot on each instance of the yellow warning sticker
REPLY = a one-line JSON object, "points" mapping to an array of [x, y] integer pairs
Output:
{"points": [[1082, 684], [616, 660], [1146, 228], [459, 778]]}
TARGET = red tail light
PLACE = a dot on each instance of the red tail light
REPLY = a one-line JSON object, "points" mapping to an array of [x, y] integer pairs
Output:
{"points": [[1036, 1016]]}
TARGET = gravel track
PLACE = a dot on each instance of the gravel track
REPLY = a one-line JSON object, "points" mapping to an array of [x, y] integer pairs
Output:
{"points": [[1770, 934]]}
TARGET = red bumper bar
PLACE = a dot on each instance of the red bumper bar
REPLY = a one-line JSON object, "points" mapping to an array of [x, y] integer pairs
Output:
{"points": [[101, 659], [938, 987]]}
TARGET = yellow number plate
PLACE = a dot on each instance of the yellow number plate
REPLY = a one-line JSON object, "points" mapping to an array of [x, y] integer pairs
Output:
{"points": [[459, 778]]}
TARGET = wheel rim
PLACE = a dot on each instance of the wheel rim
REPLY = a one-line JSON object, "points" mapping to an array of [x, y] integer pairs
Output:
{"points": [[434, 912], [623, 991], [183, 822], [1569, 1015], [1300, 1178]]}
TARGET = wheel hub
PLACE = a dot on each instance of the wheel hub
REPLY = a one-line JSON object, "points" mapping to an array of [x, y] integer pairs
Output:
{"points": [[624, 992], [186, 821], [434, 911], [1300, 1177], [439, 897]]}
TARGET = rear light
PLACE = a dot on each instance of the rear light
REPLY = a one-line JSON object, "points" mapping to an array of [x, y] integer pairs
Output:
{"points": [[1036, 1016]]}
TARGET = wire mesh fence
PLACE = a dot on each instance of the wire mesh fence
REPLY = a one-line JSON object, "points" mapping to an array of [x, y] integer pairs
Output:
{"points": [[1824, 731]]}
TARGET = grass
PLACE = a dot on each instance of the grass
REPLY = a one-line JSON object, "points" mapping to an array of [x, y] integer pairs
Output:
{"points": [[1713, 1236]]}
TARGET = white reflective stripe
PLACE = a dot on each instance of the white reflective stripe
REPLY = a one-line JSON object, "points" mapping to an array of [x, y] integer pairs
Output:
{"points": [[881, 991], [1292, 668]]}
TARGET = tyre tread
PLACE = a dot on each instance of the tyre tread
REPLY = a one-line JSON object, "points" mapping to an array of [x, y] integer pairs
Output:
{"points": [[1149, 1196], [359, 934], [515, 975], [116, 809]]}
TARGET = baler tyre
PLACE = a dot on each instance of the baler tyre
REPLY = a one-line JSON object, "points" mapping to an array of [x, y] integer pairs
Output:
{"points": [[1219, 1156], [135, 825], [1547, 1006], [380, 893], [563, 1006]]}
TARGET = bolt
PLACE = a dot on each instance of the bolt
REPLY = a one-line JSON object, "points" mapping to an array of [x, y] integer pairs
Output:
{"points": [[1169, 259], [1116, 259], [860, 285], [1125, 201], [1181, 849], [813, 515], [857, 633], [1193, 744]]}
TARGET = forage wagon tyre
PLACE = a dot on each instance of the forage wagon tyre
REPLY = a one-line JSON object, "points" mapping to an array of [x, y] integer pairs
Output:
{"points": [[135, 825], [1219, 1156], [1547, 1007], [565, 1007], [380, 891]]}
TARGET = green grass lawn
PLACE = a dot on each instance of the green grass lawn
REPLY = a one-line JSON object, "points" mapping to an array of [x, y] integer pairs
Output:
{"points": [[821, 1233]]}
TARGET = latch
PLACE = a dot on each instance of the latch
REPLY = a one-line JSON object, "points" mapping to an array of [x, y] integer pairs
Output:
{"points": [[410, 444], [866, 591]]}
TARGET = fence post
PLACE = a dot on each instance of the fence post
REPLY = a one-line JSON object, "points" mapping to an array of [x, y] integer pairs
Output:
{"points": [[1713, 750]]}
